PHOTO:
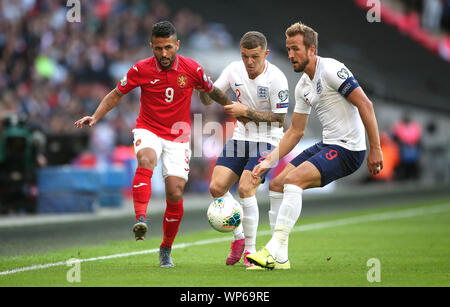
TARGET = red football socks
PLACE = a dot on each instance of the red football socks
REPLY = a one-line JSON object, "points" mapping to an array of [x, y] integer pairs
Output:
{"points": [[142, 190], [172, 219]]}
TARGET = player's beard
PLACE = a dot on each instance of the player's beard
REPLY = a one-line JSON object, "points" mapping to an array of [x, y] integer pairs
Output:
{"points": [[302, 65], [166, 66]]}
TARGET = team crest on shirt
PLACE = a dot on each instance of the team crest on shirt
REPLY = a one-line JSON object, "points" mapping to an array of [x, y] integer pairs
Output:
{"points": [[138, 142], [182, 80], [319, 87], [263, 92]]}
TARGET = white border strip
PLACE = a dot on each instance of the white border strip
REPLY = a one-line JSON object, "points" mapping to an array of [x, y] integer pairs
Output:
{"points": [[322, 225]]}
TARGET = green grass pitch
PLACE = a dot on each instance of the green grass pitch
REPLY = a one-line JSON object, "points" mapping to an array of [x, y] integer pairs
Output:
{"points": [[412, 244]]}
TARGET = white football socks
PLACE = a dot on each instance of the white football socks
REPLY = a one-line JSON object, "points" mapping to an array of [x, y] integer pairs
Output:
{"points": [[275, 199], [250, 222], [288, 215]]}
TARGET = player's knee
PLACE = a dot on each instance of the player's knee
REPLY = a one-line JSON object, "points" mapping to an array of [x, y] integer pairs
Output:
{"points": [[246, 190], [276, 185], [175, 194], [217, 190], [147, 161], [300, 181], [291, 179]]}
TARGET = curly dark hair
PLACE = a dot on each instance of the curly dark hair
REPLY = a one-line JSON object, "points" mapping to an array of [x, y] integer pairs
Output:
{"points": [[163, 29]]}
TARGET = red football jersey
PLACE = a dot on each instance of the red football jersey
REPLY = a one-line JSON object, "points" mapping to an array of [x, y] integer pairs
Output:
{"points": [[165, 95]]}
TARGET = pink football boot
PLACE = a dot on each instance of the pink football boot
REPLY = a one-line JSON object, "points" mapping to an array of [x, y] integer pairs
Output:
{"points": [[246, 262], [237, 248]]}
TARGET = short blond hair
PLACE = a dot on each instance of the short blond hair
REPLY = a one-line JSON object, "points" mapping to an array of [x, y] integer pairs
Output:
{"points": [[310, 37]]}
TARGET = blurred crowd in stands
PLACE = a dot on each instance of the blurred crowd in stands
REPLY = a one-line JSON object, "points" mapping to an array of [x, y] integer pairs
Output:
{"points": [[401, 147], [426, 21], [53, 72], [56, 71], [434, 14]]}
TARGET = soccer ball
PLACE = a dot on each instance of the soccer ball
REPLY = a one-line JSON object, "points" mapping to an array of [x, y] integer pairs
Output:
{"points": [[224, 214]]}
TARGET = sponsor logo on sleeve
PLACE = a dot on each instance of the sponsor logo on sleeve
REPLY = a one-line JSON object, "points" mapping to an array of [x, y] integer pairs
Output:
{"points": [[282, 105]]}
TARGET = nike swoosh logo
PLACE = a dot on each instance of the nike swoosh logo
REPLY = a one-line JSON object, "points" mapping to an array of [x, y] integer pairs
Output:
{"points": [[304, 95], [154, 81], [135, 68], [235, 84], [199, 68], [139, 185], [171, 220]]}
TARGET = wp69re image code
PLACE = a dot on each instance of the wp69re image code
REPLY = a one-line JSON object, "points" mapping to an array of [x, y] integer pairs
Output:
{"points": [[225, 296]]}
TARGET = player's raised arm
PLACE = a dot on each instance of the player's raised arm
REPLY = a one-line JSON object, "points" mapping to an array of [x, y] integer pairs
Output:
{"points": [[367, 113], [107, 104]]}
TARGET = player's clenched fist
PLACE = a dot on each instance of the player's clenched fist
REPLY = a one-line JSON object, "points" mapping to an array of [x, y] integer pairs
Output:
{"points": [[375, 161], [87, 120]]}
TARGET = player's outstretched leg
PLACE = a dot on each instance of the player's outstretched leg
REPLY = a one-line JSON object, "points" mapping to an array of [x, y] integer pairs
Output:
{"points": [[142, 188], [141, 195]]}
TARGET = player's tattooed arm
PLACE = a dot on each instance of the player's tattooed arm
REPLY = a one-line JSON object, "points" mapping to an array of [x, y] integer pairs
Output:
{"points": [[219, 96], [205, 99], [239, 110], [257, 116], [215, 95]]}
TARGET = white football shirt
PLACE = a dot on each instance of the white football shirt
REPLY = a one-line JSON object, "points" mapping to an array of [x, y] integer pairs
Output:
{"points": [[327, 93], [266, 93]]}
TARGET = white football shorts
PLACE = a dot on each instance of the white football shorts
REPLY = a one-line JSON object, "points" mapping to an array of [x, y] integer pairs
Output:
{"points": [[175, 156]]}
